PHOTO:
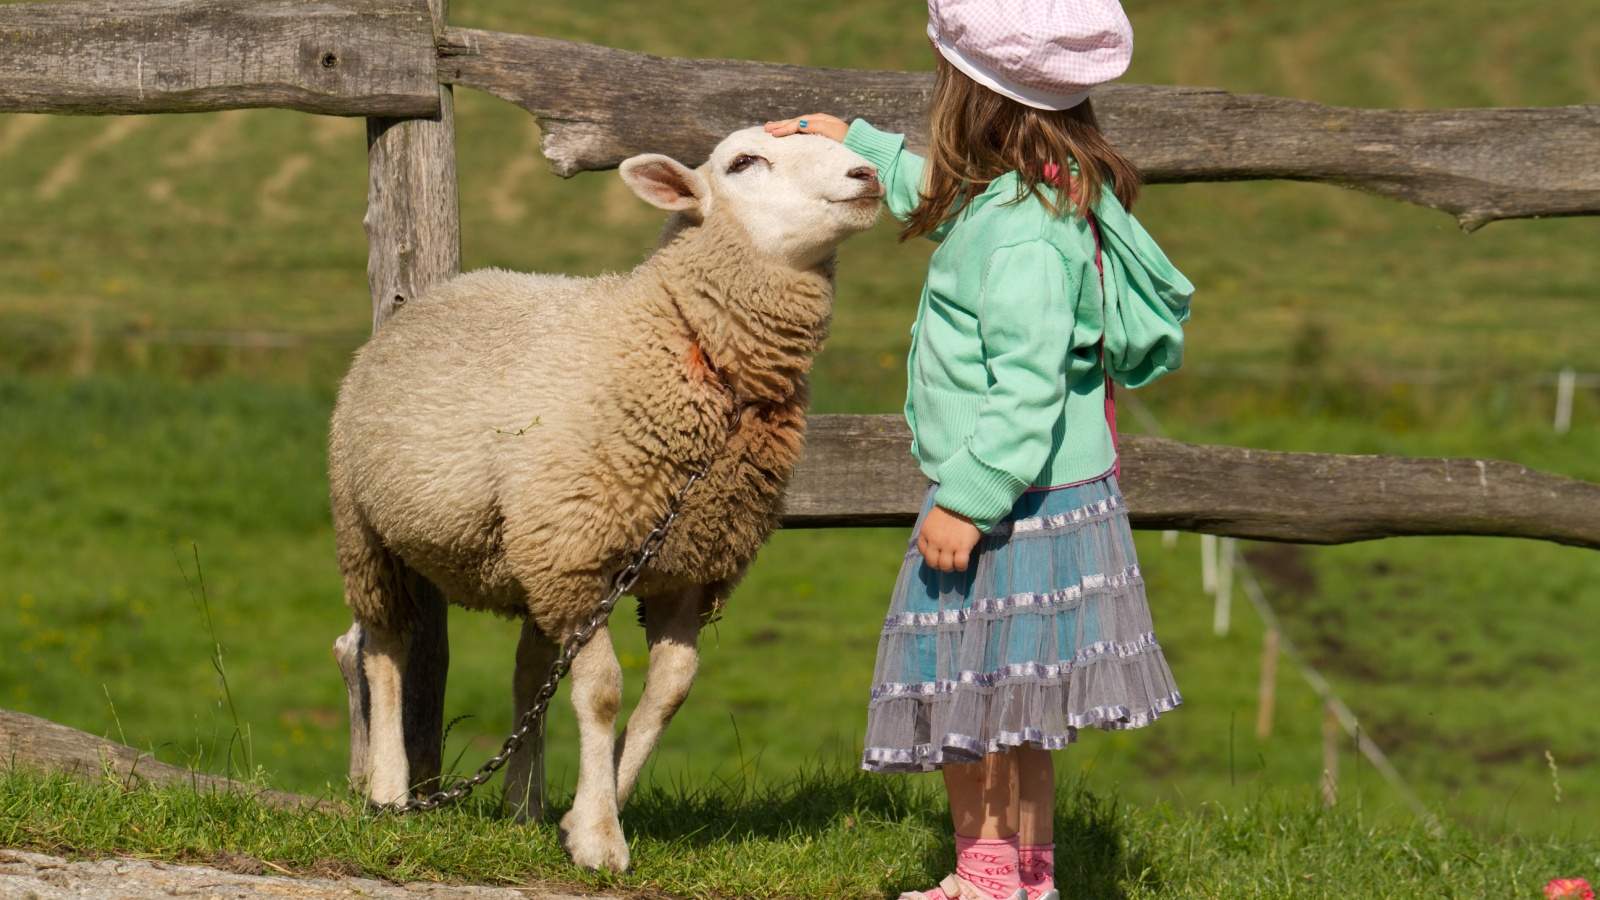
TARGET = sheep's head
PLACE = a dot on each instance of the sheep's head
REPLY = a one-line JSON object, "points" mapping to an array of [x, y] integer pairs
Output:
{"points": [[798, 197]]}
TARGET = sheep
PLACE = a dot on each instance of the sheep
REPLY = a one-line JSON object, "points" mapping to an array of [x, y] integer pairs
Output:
{"points": [[513, 437]]}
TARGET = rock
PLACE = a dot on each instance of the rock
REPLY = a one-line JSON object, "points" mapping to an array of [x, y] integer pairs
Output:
{"points": [[36, 876]]}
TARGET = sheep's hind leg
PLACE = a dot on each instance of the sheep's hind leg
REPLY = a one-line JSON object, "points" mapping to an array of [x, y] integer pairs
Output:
{"points": [[525, 785], [421, 649], [394, 660], [672, 624], [387, 773], [591, 832]]}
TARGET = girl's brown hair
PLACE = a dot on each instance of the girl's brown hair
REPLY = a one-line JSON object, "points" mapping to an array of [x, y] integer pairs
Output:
{"points": [[979, 135]]}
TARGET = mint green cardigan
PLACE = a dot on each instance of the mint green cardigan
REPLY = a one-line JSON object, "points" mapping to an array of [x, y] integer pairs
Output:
{"points": [[1005, 384]]}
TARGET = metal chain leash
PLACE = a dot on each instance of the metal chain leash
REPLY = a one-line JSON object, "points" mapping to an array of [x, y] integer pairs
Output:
{"points": [[533, 718]]}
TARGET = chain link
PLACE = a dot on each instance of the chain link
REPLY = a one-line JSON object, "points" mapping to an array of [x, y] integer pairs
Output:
{"points": [[533, 718]]}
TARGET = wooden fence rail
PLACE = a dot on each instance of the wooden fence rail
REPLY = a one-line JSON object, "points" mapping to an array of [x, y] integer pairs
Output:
{"points": [[346, 58], [31, 743], [599, 105], [857, 471]]}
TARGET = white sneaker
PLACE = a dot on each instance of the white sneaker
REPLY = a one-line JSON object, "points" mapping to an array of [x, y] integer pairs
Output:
{"points": [[1048, 895], [957, 888]]}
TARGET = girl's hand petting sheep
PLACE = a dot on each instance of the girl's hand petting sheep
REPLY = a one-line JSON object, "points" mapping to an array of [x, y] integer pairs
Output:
{"points": [[946, 539], [816, 123]]}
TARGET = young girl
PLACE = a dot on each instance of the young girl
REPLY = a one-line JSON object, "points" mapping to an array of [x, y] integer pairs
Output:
{"points": [[1019, 615]]}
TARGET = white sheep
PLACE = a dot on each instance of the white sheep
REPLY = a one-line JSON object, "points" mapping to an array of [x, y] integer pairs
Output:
{"points": [[513, 437]]}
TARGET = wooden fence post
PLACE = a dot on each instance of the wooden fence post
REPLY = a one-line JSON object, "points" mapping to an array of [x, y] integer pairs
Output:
{"points": [[414, 241], [1330, 754], [1267, 694]]}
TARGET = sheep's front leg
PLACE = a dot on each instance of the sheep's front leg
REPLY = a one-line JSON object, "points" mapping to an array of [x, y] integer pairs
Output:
{"points": [[536, 653], [672, 625], [591, 832], [388, 771]]}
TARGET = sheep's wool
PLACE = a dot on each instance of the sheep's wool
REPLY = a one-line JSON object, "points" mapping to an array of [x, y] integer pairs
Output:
{"points": [[545, 423], [512, 439]]}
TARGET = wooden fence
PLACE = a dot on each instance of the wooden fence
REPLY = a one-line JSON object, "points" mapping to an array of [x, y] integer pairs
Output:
{"points": [[395, 62]]}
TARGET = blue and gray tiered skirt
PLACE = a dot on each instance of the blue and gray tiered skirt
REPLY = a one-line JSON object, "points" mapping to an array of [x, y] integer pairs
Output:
{"points": [[1046, 632]]}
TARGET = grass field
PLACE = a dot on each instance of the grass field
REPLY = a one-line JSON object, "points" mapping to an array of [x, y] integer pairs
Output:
{"points": [[823, 834], [130, 440], [114, 484]]}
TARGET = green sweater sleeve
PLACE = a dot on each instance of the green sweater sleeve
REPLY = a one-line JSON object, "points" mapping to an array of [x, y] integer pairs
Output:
{"points": [[899, 169], [1025, 318]]}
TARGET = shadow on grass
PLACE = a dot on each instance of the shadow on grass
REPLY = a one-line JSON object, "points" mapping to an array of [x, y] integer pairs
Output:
{"points": [[1096, 856], [816, 800]]}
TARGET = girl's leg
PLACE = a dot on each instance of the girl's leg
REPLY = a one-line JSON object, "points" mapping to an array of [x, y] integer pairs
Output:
{"points": [[983, 796], [1036, 795], [983, 806], [1036, 812]]}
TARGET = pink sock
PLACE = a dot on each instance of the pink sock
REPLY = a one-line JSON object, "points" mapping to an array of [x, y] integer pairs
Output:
{"points": [[991, 865], [1038, 868]]}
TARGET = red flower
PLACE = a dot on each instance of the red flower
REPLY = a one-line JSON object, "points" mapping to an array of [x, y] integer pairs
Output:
{"points": [[1568, 889]]}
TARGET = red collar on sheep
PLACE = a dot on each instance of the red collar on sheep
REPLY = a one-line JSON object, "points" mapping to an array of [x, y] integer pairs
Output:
{"points": [[702, 366]]}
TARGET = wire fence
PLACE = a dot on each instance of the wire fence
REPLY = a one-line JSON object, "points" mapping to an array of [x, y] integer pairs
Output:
{"points": [[1567, 381], [81, 347], [1221, 565]]}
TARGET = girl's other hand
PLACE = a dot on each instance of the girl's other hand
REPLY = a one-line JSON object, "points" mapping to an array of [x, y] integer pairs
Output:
{"points": [[816, 123], [946, 540]]}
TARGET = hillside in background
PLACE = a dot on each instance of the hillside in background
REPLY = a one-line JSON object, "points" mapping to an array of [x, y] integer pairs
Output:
{"points": [[179, 295]]}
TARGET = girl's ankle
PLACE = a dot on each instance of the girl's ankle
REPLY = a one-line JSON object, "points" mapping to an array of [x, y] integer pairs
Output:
{"points": [[1036, 868], [993, 866]]}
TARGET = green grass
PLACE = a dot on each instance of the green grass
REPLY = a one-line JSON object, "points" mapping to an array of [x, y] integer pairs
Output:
{"points": [[108, 484], [821, 834]]}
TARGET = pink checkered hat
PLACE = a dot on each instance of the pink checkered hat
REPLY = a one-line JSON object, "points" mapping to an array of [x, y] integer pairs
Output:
{"points": [[1044, 53]]}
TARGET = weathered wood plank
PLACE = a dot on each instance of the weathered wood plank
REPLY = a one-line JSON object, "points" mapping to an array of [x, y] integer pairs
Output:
{"points": [[599, 106], [413, 206], [413, 241], [857, 471], [337, 57], [30, 742]]}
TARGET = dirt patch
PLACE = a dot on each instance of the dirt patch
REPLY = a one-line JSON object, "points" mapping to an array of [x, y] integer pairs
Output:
{"points": [[234, 875], [238, 863], [328, 867], [1287, 566]]}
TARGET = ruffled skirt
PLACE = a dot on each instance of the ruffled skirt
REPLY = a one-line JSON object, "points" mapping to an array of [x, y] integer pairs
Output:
{"points": [[1047, 632]]}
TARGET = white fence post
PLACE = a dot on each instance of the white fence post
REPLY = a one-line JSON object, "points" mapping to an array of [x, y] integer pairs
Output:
{"points": [[1208, 563], [1224, 609], [1566, 386]]}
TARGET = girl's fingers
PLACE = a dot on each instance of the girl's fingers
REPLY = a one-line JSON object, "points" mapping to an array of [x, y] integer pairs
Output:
{"points": [[785, 127], [816, 123]]}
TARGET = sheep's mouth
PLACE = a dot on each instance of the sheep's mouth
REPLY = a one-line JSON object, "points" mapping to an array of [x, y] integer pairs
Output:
{"points": [[872, 198]]}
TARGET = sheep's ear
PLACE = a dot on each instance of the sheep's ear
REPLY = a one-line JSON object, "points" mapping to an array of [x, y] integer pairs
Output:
{"points": [[663, 181]]}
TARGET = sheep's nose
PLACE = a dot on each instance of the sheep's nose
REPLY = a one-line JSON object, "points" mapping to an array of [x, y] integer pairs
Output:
{"points": [[863, 173]]}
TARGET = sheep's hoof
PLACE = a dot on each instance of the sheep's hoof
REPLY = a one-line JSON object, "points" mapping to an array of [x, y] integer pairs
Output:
{"points": [[594, 844], [386, 791]]}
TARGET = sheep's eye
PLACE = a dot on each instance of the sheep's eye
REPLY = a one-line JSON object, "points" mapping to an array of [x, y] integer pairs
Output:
{"points": [[743, 161]]}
